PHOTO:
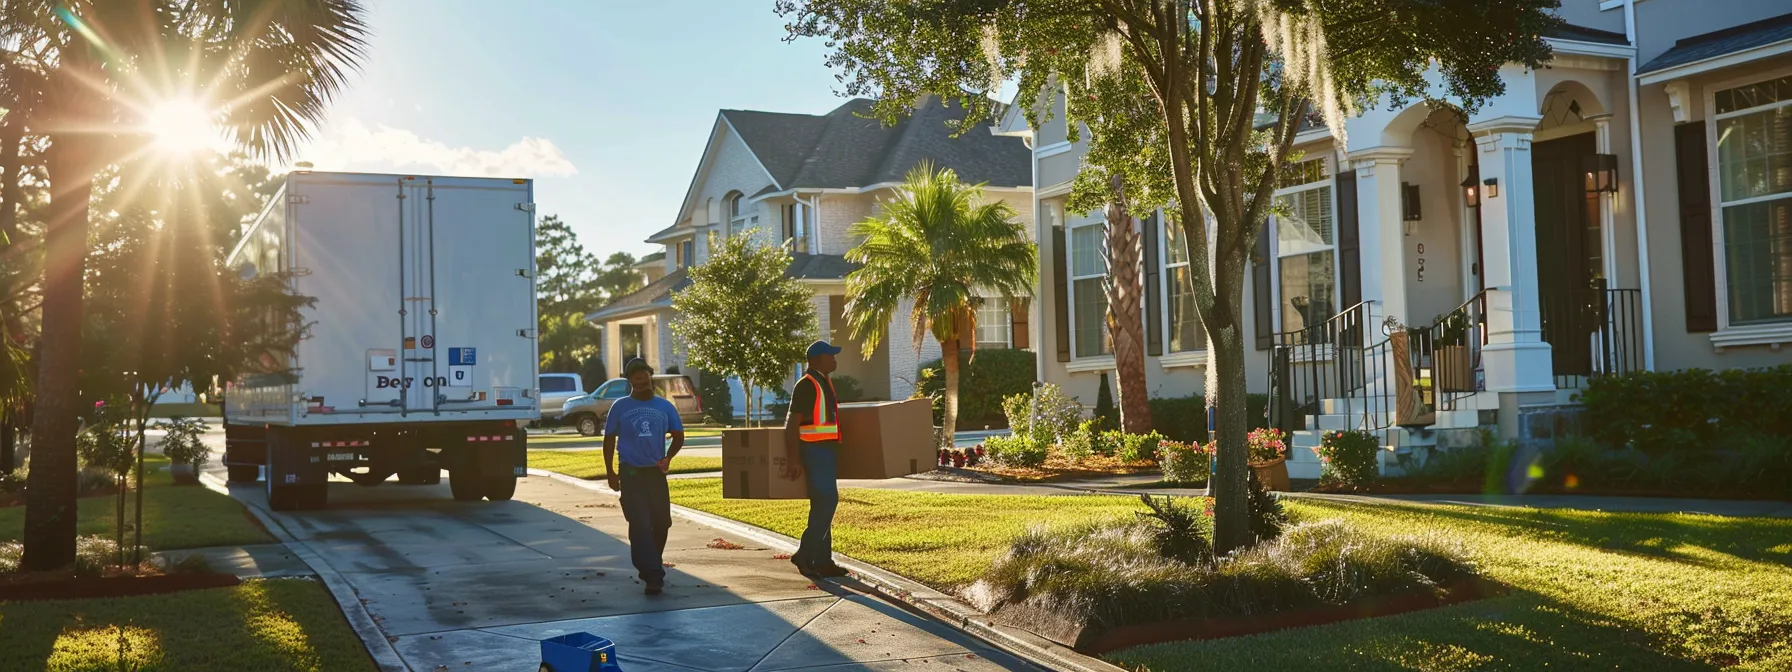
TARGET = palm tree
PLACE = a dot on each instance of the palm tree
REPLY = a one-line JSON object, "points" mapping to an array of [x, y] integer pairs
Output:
{"points": [[937, 247], [261, 71], [1125, 289]]}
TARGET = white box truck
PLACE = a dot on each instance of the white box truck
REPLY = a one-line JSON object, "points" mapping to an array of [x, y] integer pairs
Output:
{"points": [[420, 353]]}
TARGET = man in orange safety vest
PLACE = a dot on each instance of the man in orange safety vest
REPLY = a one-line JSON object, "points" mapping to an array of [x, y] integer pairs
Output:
{"points": [[814, 433]]}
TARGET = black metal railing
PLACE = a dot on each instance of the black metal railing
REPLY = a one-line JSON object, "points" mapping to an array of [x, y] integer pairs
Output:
{"points": [[1331, 360], [1592, 332], [1447, 356]]}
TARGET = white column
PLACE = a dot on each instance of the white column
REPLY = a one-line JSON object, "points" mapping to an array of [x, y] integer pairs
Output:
{"points": [[1379, 231], [613, 348], [1608, 202], [1516, 359]]}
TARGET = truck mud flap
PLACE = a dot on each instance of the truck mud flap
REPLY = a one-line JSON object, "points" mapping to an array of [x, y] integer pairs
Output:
{"points": [[507, 457], [292, 460]]}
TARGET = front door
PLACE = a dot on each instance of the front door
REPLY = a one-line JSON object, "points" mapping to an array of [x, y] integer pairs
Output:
{"points": [[1569, 265]]}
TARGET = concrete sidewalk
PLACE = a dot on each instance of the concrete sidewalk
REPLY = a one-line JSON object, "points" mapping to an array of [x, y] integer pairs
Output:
{"points": [[476, 586]]}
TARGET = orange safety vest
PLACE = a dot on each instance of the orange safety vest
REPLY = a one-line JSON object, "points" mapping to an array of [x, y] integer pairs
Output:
{"points": [[821, 427]]}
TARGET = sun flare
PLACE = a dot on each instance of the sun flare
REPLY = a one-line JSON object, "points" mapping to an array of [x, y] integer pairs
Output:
{"points": [[181, 126]]}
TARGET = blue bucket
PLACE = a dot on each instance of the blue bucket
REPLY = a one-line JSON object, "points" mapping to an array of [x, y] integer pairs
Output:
{"points": [[578, 652]]}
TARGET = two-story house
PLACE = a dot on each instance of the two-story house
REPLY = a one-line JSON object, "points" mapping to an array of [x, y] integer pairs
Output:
{"points": [[803, 180], [1628, 207]]}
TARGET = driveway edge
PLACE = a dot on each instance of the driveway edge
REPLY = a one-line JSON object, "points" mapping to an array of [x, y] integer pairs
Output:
{"points": [[372, 637], [898, 589]]}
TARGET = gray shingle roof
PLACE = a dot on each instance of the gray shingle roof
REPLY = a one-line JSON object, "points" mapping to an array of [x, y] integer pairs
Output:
{"points": [[659, 292], [844, 148], [1723, 42], [820, 267], [1569, 31]]}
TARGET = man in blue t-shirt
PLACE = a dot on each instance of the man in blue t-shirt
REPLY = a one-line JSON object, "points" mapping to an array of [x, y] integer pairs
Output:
{"points": [[637, 426]]}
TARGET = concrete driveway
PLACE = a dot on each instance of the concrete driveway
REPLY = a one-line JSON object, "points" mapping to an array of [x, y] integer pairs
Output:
{"points": [[476, 586]]}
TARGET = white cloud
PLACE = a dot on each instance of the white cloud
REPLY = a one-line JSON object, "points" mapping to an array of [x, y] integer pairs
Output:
{"points": [[354, 146]]}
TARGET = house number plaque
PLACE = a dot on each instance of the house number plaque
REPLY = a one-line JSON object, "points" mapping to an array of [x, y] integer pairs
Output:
{"points": [[1421, 262]]}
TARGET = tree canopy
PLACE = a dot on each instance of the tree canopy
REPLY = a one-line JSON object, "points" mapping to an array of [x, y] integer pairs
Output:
{"points": [[743, 315]]}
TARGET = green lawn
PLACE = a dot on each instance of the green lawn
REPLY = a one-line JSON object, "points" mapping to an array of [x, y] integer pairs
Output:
{"points": [[1590, 590], [574, 439], [284, 624], [174, 517], [589, 464]]}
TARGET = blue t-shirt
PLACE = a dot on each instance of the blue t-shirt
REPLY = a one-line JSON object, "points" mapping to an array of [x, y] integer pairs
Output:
{"points": [[640, 429]]}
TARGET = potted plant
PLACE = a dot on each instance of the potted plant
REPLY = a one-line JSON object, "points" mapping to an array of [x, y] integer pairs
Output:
{"points": [[1269, 457], [186, 452]]}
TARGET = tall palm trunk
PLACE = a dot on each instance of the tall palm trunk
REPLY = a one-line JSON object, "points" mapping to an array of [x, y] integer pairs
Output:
{"points": [[51, 485], [949, 360], [1125, 288], [12, 134]]}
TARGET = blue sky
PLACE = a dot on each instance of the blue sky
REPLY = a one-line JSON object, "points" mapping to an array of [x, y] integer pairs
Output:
{"points": [[606, 103]]}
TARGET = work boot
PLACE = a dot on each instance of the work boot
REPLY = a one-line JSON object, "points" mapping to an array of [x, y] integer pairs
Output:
{"points": [[655, 587]]}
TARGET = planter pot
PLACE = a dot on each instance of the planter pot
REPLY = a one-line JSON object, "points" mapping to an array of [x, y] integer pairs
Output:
{"points": [[1453, 371], [184, 474], [1272, 474]]}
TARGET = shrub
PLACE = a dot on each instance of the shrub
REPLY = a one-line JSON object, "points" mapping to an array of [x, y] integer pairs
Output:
{"points": [[182, 443], [1267, 516], [1267, 445], [1185, 418], [1129, 447], [105, 446], [985, 379], [718, 402], [1179, 534], [1059, 414], [1014, 451], [1184, 463], [1104, 405], [1083, 443], [1659, 411], [1348, 458], [92, 555]]}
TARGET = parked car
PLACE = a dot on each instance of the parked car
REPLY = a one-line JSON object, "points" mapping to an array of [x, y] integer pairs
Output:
{"points": [[556, 388], [588, 412]]}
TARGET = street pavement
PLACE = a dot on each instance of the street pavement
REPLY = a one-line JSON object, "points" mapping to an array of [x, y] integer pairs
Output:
{"points": [[476, 586]]}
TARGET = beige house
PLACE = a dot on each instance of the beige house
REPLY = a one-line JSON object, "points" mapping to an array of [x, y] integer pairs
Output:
{"points": [[801, 181], [1629, 207]]}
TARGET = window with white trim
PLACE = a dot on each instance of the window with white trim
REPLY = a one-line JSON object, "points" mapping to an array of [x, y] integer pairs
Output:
{"points": [[1305, 246], [1754, 172], [1179, 292], [737, 213], [995, 325], [1088, 301]]}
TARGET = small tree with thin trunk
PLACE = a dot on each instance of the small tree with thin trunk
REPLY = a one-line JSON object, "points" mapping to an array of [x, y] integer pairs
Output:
{"points": [[744, 316], [939, 245]]}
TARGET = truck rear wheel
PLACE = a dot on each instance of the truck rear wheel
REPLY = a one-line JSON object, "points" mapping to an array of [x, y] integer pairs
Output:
{"points": [[465, 483], [243, 473], [284, 497], [500, 488]]}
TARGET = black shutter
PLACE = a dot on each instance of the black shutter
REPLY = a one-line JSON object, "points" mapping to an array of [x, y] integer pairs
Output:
{"points": [[1154, 309], [1019, 325], [1696, 266], [1261, 295], [1061, 293], [1350, 248]]}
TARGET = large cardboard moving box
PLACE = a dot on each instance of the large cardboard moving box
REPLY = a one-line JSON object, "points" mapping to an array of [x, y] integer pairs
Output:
{"points": [[886, 439], [753, 466]]}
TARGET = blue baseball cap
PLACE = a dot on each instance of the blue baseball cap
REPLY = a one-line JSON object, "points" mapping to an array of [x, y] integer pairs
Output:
{"points": [[820, 348]]}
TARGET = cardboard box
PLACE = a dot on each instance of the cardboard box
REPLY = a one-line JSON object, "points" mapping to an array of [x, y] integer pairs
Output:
{"points": [[886, 439], [753, 466]]}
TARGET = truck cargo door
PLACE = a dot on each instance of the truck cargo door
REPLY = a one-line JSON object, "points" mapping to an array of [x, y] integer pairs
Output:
{"points": [[418, 289]]}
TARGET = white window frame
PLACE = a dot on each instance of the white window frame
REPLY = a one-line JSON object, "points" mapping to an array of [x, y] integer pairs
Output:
{"points": [[735, 212], [1727, 335], [1005, 325], [1275, 241], [1165, 279], [1098, 361]]}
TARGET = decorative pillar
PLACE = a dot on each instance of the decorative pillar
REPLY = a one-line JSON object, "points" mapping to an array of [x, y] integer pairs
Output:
{"points": [[1380, 232], [1516, 359], [1608, 203]]}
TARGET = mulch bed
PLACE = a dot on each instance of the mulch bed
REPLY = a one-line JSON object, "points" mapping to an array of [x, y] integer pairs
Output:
{"points": [[1399, 486], [62, 586], [1095, 639], [1056, 468]]}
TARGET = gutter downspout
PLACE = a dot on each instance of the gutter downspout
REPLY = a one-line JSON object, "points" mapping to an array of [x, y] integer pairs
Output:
{"points": [[1636, 170], [1036, 307]]}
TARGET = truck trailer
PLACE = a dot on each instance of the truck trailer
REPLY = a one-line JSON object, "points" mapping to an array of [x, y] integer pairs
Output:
{"points": [[419, 353]]}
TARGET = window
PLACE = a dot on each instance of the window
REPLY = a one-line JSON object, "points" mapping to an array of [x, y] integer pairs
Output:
{"points": [[1304, 246], [634, 338], [1179, 292], [995, 328], [615, 389], [1754, 169], [737, 213], [687, 252], [557, 384], [1089, 303]]}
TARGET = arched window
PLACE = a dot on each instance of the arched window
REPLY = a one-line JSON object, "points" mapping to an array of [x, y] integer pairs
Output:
{"points": [[736, 203]]}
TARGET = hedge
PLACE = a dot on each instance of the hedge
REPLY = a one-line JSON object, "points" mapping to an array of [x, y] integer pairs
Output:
{"points": [[1184, 419], [1661, 411], [983, 382]]}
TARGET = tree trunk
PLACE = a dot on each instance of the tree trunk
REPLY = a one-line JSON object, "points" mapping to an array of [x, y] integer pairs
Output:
{"points": [[1125, 289], [50, 489], [12, 135], [949, 360], [1230, 484], [9, 440]]}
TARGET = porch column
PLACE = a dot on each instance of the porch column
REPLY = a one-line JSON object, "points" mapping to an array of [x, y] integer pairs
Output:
{"points": [[1380, 232], [1516, 359], [613, 348]]}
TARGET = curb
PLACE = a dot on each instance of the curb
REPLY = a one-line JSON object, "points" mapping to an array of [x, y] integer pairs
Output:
{"points": [[897, 589], [372, 637]]}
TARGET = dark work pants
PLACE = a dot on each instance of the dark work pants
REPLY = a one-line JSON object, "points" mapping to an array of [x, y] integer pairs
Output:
{"points": [[647, 504], [820, 467]]}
